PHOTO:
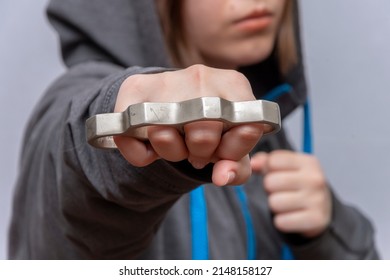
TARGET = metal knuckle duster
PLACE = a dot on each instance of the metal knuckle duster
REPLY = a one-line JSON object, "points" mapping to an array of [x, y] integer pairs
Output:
{"points": [[133, 122]]}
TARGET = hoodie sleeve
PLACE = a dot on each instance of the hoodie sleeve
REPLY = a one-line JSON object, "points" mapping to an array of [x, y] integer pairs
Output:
{"points": [[350, 236], [104, 207]]}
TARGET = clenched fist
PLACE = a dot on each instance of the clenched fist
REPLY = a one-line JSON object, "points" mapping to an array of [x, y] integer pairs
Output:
{"points": [[298, 194], [204, 141]]}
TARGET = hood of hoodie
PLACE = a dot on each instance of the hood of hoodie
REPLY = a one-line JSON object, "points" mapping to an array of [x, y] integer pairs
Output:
{"points": [[128, 33]]}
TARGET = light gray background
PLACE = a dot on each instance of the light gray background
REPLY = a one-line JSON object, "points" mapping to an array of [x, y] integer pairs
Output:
{"points": [[346, 46]]}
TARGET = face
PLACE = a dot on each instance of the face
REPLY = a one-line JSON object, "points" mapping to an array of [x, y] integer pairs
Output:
{"points": [[230, 33]]}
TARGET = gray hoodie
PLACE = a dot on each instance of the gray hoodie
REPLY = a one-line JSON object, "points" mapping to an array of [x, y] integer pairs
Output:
{"points": [[73, 201]]}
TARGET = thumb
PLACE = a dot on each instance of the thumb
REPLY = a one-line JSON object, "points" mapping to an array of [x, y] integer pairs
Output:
{"points": [[259, 162]]}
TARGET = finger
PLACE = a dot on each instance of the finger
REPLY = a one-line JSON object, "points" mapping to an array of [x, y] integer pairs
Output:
{"points": [[227, 172], [284, 181], [167, 143], [135, 152], [282, 202], [239, 141], [202, 138], [285, 160], [259, 162], [299, 222]]}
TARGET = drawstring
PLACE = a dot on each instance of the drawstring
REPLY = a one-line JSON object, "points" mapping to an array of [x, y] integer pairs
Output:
{"points": [[307, 141], [198, 207], [307, 132], [250, 230], [278, 92], [198, 212], [199, 226]]}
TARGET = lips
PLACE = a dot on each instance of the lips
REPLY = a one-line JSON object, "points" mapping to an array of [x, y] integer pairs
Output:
{"points": [[255, 21]]}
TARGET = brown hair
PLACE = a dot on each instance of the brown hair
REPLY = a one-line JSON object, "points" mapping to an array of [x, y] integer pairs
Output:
{"points": [[171, 17], [286, 44], [170, 12]]}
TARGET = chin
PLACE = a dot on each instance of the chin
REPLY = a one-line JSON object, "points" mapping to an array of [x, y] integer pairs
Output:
{"points": [[253, 54], [254, 59], [233, 58]]}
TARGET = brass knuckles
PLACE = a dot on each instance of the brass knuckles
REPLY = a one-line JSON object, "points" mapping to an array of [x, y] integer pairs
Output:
{"points": [[136, 118]]}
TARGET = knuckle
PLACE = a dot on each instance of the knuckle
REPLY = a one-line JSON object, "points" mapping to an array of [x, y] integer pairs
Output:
{"points": [[134, 82], [317, 180], [281, 223], [317, 219], [312, 161], [197, 68], [198, 71], [237, 77], [249, 134], [239, 83], [161, 138], [206, 134], [201, 138]]}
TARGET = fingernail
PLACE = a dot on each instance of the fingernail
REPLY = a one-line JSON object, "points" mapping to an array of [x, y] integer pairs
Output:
{"points": [[230, 178], [198, 164]]}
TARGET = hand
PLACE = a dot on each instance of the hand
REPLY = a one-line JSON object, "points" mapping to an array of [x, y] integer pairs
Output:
{"points": [[298, 193], [203, 141]]}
